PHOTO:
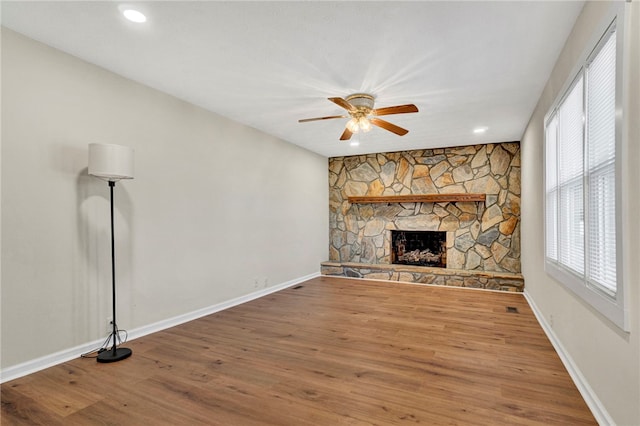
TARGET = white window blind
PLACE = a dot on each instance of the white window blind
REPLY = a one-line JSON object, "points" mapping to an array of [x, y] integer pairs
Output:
{"points": [[601, 154], [551, 185], [570, 179]]}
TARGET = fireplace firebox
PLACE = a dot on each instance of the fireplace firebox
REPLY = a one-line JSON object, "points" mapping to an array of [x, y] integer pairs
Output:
{"points": [[421, 248]]}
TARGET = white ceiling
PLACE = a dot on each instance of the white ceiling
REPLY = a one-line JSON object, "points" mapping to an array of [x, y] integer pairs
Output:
{"points": [[267, 64]]}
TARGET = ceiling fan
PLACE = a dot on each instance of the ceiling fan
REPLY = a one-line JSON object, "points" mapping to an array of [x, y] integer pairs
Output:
{"points": [[363, 115]]}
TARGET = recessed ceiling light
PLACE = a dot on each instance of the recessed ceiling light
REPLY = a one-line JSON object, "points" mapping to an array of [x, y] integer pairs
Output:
{"points": [[134, 15], [354, 143], [479, 130]]}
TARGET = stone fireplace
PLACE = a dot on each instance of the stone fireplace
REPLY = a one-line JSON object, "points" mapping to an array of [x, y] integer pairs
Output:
{"points": [[482, 237], [420, 248]]}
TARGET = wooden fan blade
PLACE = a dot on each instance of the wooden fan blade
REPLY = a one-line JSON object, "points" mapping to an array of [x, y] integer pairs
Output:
{"points": [[344, 104], [389, 126], [346, 135], [304, 120], [398, 109]]}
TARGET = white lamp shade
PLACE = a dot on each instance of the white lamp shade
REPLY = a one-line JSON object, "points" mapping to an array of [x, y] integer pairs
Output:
{"points": [[111, 162]]}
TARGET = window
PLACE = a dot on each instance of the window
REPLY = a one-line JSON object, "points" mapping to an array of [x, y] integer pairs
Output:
{"points": [[581, 206]]}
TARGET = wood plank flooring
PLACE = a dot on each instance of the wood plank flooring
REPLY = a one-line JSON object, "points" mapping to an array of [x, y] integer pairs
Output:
{"points": [[332, 351]]}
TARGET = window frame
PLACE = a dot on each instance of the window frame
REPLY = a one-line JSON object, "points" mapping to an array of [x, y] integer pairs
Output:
{"points": [[611, 306]]}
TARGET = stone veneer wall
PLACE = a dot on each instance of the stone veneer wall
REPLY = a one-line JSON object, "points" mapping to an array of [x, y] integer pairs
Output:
{"points": [[480, 236]]}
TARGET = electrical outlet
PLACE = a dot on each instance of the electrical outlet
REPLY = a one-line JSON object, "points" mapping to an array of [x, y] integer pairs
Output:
{"points": [[551, 320], [256, 282], [266, 282], [109, 325]]}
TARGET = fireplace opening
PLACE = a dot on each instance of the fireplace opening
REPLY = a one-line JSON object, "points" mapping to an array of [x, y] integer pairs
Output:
{"points": [[421, 248]]}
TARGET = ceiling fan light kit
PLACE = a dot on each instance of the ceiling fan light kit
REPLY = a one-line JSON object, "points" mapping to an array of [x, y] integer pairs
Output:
{"points": [[363, 115], [356, 124]]}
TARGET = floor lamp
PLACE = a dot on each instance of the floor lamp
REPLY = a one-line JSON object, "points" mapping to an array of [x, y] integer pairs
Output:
{"points": [[111, 163]]}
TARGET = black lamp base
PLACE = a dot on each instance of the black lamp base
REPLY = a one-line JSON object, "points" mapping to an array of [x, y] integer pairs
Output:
{"points": [[109, 356]]}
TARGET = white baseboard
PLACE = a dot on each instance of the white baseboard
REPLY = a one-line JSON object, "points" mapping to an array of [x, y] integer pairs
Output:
{"points": [[593, 402], [50, 360]]}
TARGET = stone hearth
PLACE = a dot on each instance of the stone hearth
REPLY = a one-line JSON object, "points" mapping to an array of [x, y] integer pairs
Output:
{"points": [[502, 281]]}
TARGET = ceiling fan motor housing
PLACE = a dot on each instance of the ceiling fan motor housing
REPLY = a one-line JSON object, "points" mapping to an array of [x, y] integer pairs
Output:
{"points": [[361, 101]]}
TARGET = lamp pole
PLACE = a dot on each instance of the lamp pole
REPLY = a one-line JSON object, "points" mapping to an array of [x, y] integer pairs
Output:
{"points": [[115, 354]]}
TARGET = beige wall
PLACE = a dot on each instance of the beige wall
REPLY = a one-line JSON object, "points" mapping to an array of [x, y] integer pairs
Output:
{"points": [[217, 210], [608, 358]]}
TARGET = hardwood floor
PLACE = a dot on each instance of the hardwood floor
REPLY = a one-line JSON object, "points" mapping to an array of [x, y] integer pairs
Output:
{"points": [[331, 351]]}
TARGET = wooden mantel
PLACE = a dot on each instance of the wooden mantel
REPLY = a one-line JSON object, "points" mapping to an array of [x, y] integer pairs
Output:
{"points": [[417, 198]]}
